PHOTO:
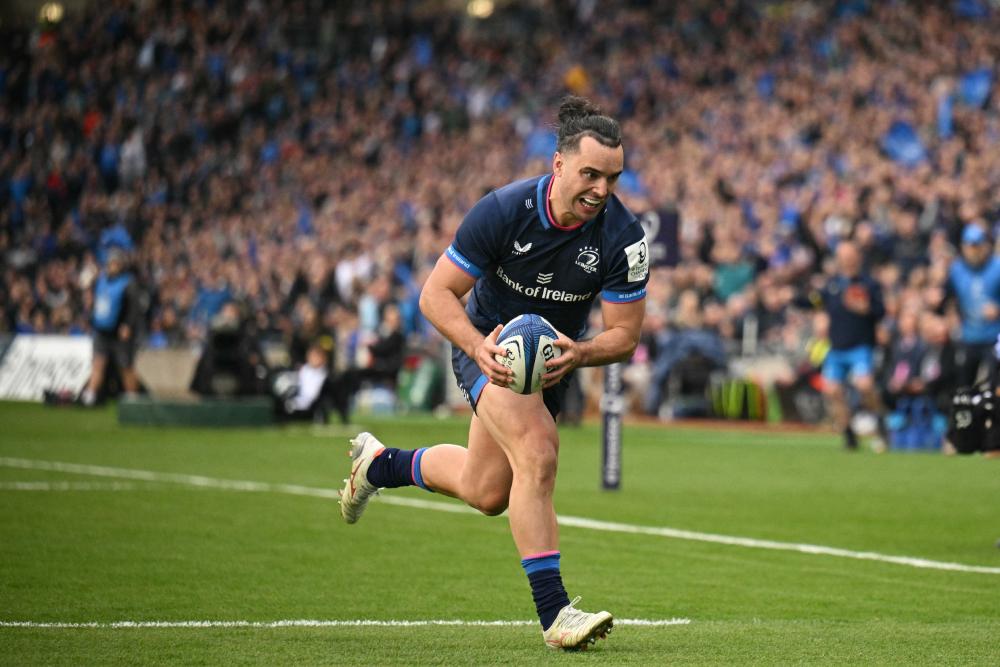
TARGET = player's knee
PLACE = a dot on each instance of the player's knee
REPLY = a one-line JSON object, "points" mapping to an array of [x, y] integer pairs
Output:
{"points": [[491, 503], [539, 463], [485, 495]]}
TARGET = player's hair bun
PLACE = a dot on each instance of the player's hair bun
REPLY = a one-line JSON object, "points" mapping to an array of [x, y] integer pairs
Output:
{"points": [[578, 118], [574, 108]]}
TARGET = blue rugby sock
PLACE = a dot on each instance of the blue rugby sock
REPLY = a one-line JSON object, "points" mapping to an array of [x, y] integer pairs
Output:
{"points": [[397, 467], [546, 585]]}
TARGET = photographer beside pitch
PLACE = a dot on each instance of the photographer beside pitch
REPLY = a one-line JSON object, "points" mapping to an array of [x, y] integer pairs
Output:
{"points": [[547, 245], [974, 418]]}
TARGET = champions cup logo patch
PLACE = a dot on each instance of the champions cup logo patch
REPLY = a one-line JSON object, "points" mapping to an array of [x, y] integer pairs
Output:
{"points": [[637, 255], [588, 259]]}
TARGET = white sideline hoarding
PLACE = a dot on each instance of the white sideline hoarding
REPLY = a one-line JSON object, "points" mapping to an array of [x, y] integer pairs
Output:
{"points": [[36, 363]]}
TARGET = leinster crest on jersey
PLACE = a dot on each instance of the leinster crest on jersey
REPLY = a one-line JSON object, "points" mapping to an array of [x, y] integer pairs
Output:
{"points": [[588, 259]]}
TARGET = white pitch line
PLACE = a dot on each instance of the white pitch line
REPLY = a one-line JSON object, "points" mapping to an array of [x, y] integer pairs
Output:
{"points": [[570, 521], [813, 549], [174, 478], [69, 486], [363, 623]]}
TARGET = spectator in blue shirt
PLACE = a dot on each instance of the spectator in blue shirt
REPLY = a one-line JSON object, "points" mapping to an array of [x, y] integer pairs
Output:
{"points": [[974, 284]]}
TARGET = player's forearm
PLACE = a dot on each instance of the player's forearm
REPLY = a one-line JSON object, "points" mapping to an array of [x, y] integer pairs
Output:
{"points": [[607, 347], [444, 310]]}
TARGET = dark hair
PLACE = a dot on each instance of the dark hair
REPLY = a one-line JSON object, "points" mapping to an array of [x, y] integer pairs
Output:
{"points": [[580, 118]]}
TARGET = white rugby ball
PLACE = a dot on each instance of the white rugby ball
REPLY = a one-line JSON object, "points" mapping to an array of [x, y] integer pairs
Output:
{"points": [[528, 342]]}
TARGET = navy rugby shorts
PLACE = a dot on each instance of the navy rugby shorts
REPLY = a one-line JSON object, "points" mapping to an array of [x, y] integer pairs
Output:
{"points": [[121, 351], [472, 382]]}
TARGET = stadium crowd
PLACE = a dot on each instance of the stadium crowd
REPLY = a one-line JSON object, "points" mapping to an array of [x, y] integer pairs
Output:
{"points": [[311, 160]]}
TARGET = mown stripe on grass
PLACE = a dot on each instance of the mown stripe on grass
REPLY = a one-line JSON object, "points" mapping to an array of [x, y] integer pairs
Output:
{"points": [[569, 521]]}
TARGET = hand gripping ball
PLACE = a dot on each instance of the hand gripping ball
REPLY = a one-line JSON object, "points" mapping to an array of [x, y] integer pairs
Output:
{"points": [[528, 342]]}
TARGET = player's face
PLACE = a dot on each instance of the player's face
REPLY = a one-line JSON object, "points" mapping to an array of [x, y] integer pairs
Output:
{"points": [[585, 178]]}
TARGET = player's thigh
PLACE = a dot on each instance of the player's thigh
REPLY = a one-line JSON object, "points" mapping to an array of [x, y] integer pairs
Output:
{"points": [[521, 425], [487, 466]]}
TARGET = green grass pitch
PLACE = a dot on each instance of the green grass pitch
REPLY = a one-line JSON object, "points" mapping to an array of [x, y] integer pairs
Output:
{"points": [[81, 547]]}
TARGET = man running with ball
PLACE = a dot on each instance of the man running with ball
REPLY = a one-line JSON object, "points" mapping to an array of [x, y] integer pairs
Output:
{"points": [[548, 245]]}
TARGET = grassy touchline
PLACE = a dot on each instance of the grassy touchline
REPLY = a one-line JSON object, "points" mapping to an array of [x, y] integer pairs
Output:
{"points": [[201, 481]]}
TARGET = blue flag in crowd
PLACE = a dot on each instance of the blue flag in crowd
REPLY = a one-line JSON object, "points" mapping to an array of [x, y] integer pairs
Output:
{"points": [[902, 144]]}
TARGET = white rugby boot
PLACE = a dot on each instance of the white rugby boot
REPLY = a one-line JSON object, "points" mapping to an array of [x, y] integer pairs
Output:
{"points": [[357, 488], [574, 629]]}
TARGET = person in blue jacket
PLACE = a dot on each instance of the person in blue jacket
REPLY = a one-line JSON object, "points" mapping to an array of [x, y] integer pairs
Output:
{"points": [[974, 286], [116, 316]]}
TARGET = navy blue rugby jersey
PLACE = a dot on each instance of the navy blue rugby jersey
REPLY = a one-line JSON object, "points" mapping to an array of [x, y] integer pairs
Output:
{"points": [[524, 263]]}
